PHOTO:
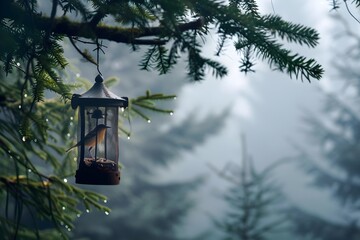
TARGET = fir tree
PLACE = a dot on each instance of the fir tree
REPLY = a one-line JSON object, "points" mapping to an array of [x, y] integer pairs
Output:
{"points": [[253, 198], [34, 92]]}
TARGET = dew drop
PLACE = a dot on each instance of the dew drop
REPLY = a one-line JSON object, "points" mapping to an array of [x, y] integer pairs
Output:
{"points": [[171, 113], [23, 139], [25, 95], [128, 137], [64, 208], [19, 106], [78, 75], [105, 201], [149, 121], [107, 213], [65, 180], [87, 210]]}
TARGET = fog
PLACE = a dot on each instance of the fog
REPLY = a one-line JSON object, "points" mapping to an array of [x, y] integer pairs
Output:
{"points": [[268, 107]]}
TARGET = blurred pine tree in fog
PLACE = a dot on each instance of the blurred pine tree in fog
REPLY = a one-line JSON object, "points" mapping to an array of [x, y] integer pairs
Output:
{"points": [[254, 200], [336, 134]]}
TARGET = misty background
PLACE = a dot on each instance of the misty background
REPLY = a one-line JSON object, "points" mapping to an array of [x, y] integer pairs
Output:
{"points": [[168, 188]]}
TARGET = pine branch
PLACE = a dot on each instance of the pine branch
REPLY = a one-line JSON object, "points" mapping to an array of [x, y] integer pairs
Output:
{"points": [[146, 102], [289, 31], [282, 59], [64, 26]]}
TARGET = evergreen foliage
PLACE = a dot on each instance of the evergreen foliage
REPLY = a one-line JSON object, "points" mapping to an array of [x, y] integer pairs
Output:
{"points": [[30, 135], [34, 93], [170, 28]]}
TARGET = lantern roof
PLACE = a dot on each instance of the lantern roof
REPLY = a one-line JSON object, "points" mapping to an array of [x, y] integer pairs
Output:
{"points": [[99, 96]]}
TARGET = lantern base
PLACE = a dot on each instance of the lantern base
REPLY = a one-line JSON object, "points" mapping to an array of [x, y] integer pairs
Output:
{"points": [[99, 172]]}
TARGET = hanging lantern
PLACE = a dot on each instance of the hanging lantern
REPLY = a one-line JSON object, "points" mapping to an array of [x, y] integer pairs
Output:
{"points": [[98, 148]]}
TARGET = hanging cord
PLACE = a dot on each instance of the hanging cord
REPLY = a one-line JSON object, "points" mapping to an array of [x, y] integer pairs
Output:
{"points": [[272, 6], [98, 48]]}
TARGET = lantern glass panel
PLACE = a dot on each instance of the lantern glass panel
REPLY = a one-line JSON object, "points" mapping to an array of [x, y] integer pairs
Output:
{"points": [[98, 156]]}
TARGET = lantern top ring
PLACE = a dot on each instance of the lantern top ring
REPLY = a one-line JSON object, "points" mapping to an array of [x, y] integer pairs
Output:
{"points": [[99, 79]]}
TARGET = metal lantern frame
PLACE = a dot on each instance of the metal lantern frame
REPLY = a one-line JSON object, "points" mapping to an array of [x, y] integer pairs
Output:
{"points": [[98, 106]]}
